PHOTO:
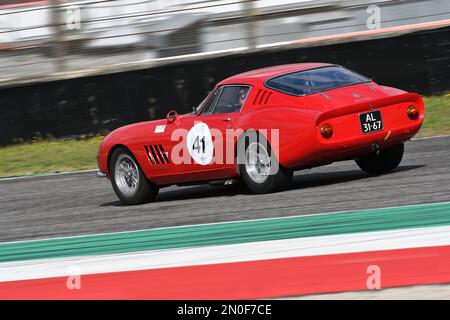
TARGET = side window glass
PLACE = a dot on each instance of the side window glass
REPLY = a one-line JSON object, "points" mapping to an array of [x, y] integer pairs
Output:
{"points": [[231, 99], [212, 102]]}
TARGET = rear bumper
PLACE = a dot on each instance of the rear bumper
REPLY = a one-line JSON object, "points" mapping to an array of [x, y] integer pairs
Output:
{"points": [[365, 144], [349, 141], [355, 150], [354, 145]]}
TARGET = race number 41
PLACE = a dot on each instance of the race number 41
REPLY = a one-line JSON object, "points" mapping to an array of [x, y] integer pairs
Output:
{"points": [[199, 143]]}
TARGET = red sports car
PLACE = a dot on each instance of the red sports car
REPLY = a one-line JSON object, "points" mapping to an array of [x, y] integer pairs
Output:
{"points": [[259, 127]]}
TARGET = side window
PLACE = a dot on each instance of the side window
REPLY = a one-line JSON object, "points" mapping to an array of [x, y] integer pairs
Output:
{"points": [[231, 99], [212, 102]]}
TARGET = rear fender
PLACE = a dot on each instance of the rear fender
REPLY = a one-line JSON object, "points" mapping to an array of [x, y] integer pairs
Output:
{"points": [[294, 130]]}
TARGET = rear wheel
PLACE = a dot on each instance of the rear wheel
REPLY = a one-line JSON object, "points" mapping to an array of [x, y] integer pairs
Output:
{"points": [[382, 162], [128, 181], [260, 169]]}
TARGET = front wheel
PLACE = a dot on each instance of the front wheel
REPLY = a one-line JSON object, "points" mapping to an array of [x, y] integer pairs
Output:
{"points": [[382, 162], [260, 169], [128, 181]]}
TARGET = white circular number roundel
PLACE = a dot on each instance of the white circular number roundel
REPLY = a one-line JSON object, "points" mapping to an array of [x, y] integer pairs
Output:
{"points": [[199, 143]]}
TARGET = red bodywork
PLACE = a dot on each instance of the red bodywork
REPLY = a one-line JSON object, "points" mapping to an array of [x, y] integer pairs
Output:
{"points": [[298, 118]]}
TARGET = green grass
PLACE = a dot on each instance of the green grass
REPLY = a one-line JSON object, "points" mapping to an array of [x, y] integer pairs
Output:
{"points": [[49, 156], [437, 116], [58, 156]]}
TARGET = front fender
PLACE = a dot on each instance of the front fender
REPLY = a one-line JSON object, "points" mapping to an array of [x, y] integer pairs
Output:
{"points": [[128, 136]]}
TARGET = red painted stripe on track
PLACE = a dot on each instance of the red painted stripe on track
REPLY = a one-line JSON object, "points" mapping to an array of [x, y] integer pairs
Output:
{"points": [[255, 279]]}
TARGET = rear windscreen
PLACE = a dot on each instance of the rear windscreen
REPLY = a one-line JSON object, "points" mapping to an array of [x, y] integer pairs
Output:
{"points": [[315, 80]]}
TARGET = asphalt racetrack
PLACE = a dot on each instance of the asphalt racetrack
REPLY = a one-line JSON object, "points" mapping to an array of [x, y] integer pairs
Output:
{"points": [[80, 203]]}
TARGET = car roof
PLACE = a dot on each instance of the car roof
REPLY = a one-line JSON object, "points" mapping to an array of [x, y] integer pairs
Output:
{"points": [[258, 76]]}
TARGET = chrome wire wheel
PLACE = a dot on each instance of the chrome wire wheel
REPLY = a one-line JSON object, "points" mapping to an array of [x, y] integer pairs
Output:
{"points": [[126, 175], [257, 162]]}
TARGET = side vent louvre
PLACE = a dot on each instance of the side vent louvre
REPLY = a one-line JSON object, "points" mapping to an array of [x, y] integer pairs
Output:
{"points": [[156, 154], [262, 97]]}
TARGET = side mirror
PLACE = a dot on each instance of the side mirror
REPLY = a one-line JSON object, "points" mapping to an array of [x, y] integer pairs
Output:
{"points": [[171, 116]]}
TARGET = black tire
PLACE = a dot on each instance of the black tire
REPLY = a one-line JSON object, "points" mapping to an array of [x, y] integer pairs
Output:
{"points": [[276, 181], [142, 191], [383, 162]]}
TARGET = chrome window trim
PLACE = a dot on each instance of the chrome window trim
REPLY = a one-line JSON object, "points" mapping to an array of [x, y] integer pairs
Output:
{"points": [[211, 96]]}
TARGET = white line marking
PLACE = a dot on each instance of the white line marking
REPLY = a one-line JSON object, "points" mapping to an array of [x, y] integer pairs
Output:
{"points": [[94, 170], [39, 175], [263, 250]]}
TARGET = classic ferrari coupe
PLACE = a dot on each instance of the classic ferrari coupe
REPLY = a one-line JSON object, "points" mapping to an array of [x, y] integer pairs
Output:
{"points": [[262, 125]]}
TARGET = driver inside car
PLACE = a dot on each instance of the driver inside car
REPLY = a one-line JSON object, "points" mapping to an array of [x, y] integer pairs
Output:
{"points": [[242, 94], [231, 100]]}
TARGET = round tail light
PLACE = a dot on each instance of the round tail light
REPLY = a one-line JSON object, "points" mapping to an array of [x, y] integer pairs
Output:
{"points": [[326, 131], [412, 112]]}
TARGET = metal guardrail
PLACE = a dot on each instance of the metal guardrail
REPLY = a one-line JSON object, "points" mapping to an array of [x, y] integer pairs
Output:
{"points": [[90, 37]]}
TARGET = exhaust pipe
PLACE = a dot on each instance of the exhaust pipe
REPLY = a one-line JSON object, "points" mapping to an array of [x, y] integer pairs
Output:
{"points": [[375, 147]]}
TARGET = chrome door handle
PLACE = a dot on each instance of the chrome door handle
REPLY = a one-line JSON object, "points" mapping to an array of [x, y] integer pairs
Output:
{"points": [[227, 119]]}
